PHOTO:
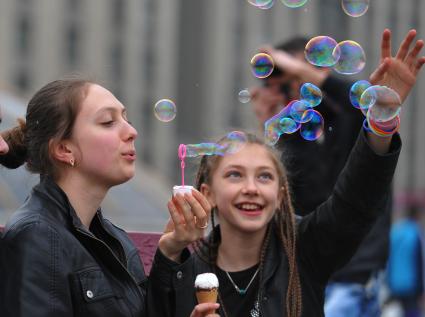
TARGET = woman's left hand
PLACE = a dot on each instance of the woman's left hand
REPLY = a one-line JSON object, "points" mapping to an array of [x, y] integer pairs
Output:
{"points": [[400, 72], [189, 219]]}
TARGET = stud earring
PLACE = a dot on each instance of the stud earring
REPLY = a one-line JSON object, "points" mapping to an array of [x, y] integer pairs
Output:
{"points": [[71, 162]]}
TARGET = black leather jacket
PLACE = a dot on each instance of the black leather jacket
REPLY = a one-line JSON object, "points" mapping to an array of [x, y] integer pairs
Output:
{"points": [[327, 238], [53, 266]]}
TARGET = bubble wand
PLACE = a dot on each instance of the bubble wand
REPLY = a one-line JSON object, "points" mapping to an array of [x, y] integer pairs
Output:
{"points": [[182, 156]]}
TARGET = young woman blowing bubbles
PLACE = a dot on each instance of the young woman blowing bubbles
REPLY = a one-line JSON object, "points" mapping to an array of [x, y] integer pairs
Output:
{"points": [[59, 256]]}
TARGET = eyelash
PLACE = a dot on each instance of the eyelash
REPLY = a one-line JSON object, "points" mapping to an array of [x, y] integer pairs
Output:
{"points": [[233, 173], [268, 175], [110, 122], [263, 176]]}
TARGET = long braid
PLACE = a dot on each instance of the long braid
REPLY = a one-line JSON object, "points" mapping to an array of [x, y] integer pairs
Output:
{"points": [[287, 233]]}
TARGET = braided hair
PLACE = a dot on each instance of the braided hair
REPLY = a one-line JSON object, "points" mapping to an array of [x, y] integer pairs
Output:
{"points": [[283, 222]]}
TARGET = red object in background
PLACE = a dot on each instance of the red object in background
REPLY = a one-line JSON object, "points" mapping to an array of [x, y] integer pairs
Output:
{"points": [[147, 243]]}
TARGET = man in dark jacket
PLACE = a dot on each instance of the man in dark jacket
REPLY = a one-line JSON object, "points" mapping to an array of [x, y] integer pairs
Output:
{"points": [[314, 168]]}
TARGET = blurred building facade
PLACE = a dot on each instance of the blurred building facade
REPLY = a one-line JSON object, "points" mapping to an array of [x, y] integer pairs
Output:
{"points": [[195, 52]]}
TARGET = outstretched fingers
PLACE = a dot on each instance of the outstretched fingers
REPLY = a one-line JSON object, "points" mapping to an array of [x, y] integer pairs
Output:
{"points": [[386, 44], [419, 64], [413, 54], [404, 47]]}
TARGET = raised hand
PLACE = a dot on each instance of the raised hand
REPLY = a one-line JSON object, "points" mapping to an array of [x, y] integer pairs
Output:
{"points": [[285, 61], [266, 103], [400, 72], [189, 219]]}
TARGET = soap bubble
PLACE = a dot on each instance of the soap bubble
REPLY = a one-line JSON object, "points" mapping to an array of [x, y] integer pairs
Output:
{"points": [[352, 58], [322, 51], [244, 96], [381, 102], [165, 110], [262, 65], [313, 129], [311, 94], [355, 8], [294, 3], [356, 92]]}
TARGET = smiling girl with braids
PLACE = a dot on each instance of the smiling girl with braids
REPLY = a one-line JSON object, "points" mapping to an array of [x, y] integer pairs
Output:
{"points": [[269, 263]]}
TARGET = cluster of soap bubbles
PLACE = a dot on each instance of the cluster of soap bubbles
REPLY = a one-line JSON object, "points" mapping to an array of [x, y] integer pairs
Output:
{"points": [[380, 104], [267, 4], [165, 110], [232, 143], [297, 115], [346, 57]]}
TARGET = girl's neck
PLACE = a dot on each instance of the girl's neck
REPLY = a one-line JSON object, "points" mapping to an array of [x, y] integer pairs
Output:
{"points": [[84, 196], [239, 250]]}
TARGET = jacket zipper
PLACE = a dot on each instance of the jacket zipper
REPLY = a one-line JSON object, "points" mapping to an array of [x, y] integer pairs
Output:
{"points": [[113, 254]]}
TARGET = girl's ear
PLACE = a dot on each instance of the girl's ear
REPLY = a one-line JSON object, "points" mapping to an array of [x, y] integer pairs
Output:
{"points": [[207, 192]]}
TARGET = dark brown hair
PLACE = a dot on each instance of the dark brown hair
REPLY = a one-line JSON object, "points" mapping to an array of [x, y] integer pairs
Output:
{"points": [[51, 114], [283, 222]]}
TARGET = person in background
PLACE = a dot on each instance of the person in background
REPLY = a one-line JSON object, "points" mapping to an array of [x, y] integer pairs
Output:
{"points": [[315, 165], [405, 266]]}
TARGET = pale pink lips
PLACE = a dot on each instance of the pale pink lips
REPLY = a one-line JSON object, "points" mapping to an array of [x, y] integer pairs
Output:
{"points": [[130, 155]]}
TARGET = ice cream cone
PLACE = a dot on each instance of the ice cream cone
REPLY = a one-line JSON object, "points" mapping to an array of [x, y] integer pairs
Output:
{"points": [[207, 289], [207, 296]]}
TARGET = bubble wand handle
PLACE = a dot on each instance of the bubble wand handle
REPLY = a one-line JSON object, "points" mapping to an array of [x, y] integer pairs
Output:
{"points": [[182, 155]]}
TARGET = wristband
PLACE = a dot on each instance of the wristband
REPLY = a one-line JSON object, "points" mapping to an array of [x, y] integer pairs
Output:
{"points": [[383, 129]]}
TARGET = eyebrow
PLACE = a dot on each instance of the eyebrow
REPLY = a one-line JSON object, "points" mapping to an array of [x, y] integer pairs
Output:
{"points": [[242, 167], [111, 109]]}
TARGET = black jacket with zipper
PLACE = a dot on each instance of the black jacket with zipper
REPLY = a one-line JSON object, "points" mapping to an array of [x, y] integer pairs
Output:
{"points": [[52, 266], [326, 239]]}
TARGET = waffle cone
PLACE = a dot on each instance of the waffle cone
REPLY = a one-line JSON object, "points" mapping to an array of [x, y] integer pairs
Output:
{"points": [[207, 296]]}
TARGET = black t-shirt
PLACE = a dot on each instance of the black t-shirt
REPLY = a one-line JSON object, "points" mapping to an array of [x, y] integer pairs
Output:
{"points": [[235, 304]]}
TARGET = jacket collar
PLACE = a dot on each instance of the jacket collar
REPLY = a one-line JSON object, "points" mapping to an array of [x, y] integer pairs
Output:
{"points": [[59, 202]]}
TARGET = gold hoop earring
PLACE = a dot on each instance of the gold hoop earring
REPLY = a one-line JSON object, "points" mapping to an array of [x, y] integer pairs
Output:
{"points": [[71, 162]]}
